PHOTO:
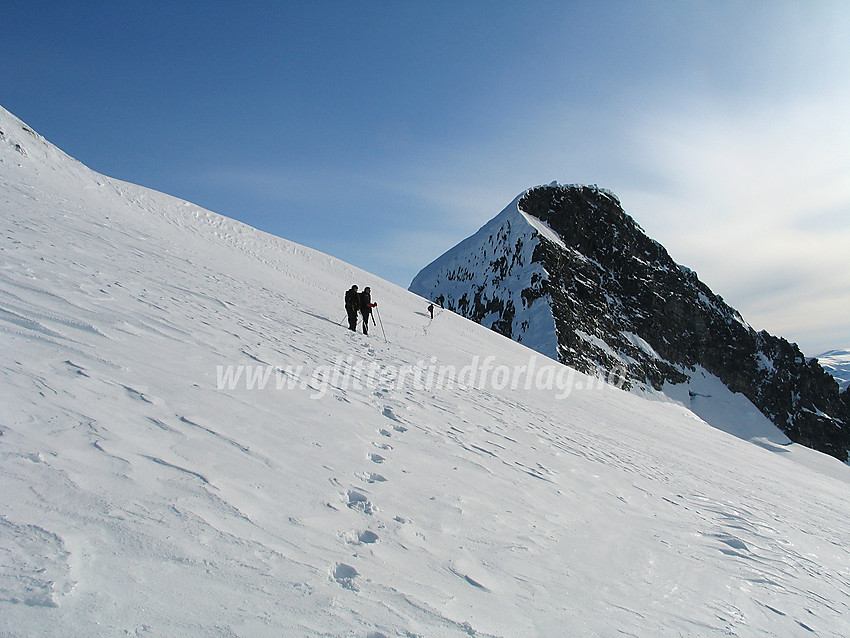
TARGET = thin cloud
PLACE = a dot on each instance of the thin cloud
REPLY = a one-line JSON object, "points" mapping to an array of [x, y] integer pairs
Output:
{"points": [[759, 202]]}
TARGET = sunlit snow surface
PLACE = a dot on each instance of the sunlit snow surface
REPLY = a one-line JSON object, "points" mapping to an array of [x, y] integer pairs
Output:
{"points": [[138, 498]]}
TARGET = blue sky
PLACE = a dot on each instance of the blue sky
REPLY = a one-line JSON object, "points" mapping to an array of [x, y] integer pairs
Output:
{"points": [[386, 132]]}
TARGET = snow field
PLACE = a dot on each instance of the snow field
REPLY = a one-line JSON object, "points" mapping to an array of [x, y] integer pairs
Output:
{"points": [[139, 498]]}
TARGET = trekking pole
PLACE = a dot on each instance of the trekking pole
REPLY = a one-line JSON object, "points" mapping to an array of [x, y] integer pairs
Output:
{"points": [[382, 323]]}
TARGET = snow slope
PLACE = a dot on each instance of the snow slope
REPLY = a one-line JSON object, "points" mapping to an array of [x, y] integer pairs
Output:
{"points": [[144, 491], [509, 239]]}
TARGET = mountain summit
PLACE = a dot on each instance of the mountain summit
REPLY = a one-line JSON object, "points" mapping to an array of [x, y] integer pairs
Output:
{"points": [[564, 270]]}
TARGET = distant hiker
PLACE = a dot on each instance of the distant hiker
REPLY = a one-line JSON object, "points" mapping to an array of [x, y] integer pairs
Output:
{"points": [[431, 310], [352, 305], [366, 306]]}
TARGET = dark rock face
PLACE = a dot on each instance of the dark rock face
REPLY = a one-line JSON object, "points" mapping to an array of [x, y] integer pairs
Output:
{"points": [[617, 298]]}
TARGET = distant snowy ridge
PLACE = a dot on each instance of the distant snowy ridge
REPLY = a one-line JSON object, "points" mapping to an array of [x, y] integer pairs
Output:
{"points": [[837, 363], [564, 270], [141, 493]]}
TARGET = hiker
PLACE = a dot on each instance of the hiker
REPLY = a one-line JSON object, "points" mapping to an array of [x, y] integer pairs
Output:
{"points": [[352, 305], [431, 310], [366, 306]]}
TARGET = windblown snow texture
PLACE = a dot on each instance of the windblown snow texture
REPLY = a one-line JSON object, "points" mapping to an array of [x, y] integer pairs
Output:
{"points": [[146, 491], [564, 270]]}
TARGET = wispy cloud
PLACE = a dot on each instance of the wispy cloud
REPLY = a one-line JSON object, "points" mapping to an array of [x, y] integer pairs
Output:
{"points": [[757, 199]]}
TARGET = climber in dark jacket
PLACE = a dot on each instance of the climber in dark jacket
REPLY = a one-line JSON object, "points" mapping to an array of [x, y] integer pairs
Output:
{"points": [[366, 306], [352, 305]]}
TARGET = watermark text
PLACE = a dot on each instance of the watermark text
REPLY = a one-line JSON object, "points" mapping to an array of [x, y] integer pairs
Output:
{"points": [[426, 376]]}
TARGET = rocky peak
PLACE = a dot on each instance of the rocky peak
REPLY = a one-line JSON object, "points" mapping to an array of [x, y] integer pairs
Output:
{"points": [[566, 271]]}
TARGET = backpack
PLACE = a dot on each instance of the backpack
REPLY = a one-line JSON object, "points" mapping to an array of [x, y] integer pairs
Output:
{"points": [[352, 299]]}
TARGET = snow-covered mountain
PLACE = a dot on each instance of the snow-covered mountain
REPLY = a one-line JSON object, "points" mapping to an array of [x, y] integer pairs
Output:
{"points": [[564, 270], [192, 445], [837, 363]]}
